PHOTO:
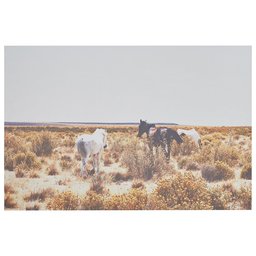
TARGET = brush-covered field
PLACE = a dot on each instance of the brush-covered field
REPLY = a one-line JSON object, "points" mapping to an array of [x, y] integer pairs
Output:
{"points": [[42, 171]]}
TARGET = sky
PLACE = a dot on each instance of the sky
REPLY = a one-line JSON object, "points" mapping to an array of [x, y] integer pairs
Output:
{"points": [[190, 85]]}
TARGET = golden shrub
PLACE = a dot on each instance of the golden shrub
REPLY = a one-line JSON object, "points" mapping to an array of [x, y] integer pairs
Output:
{"points": [[92, 201], [13, 145], [39, 195], [184, 192], [192, 166], [97, 185], [8, 161], [220, 171], [226, 154], [156, 202], [66, 162], [64, 201], [246, 172], [42, 144], [52, 170], [138, 184], [118, 176], [34, 174], [29, 159], [205, 155], [245, 198], [142, 162], [227, 197], [21, 170], [8, 197], [9, 202], [186, 148], [69, 141], [135, 199]]}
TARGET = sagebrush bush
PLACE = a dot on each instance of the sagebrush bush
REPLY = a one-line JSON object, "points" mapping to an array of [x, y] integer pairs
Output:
{"points": [[64, 201], [192, 166], [34, 174], [138, 184], [8, 197], [118, 176], [245, 198], [92, 201], [227, 197], [107, 160], [246, 172], [142, 162], [20, 171], [52, 170], [8, 161], [97, 185], [9, 202], [187, 147], [205, 155], [183, 192], [219, 171], [13, 146], [39, 195], [135, 199], [69, 141], [226, 154], [29, 160], [42, 144], [66, 162], [13, 143], [34, 207]]}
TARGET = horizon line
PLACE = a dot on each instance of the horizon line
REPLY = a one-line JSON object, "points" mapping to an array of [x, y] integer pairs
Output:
{"points": [[13, 123]]}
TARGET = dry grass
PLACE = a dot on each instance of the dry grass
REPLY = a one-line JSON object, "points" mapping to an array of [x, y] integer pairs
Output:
{"points": [[220, 171], [39, 195], [142, 162], [183, 192], [227, 197], [246, 172], [136, 199], [42, 144], [132, 176], [66, 162], [92, 201], [52, 170], [118, 177], [9, 202], [64, 201]]}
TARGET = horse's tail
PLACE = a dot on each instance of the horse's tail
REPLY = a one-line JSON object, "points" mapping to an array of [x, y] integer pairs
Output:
{"points": [[81, 147]]}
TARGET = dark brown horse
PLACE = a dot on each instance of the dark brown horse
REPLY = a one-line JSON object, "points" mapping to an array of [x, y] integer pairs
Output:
{"points": [[159, 137]]}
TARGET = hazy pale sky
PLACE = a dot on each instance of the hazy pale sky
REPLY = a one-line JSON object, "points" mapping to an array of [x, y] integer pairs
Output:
{"points": [[186, 85]]}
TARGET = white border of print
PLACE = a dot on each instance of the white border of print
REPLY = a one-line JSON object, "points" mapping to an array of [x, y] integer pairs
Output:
{"points": [[127, 23]]}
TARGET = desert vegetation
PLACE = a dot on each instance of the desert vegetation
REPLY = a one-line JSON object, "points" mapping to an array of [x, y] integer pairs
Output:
{"points": [[42, 171]]}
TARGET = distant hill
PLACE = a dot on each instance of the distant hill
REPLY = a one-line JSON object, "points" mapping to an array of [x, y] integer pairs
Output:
{"points": [[74, 123]]}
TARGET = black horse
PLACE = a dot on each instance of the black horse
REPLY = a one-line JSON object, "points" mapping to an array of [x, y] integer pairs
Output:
{"points": [[159, 137]]}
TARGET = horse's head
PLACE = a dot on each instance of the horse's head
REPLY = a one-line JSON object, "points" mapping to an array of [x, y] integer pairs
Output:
{"points": [[104, 135], [142, 128], [104, 138]]}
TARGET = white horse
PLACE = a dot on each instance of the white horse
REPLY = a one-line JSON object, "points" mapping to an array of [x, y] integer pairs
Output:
{"points": [[193, 134], [92, 144]]}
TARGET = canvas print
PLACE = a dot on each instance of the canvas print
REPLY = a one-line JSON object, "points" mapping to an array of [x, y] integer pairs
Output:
{"points": [[127, 128]]}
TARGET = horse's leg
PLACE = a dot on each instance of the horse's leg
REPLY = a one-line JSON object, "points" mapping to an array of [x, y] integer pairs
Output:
{"points": [[98, 162], [83, 166], [94, 162], [168, 151]]}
